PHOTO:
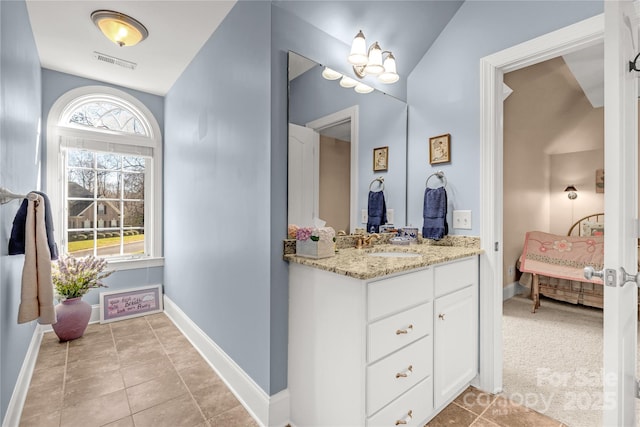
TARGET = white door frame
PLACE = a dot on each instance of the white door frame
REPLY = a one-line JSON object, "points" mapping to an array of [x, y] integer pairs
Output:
{"points": [[350, 113], [492, 68]]}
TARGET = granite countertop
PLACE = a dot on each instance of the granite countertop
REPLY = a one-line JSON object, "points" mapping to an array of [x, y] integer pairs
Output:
{"points": [[357, 263]]}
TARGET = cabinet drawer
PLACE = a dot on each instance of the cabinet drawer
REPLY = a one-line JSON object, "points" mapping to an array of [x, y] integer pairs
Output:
{"points": [[388, 296], [391, 333], [395, 374], [418, 402], [456, 275]]}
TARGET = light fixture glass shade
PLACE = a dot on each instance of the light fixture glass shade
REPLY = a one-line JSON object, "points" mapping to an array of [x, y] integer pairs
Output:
{"points": [[390, 75], [348, 82], [363, 88], [330, 74], [358, 55], [121, 29], [374, 66], [572, 192]]}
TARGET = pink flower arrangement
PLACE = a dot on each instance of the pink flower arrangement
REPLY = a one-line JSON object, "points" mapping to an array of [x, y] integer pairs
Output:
{"points": [[316, 234]]}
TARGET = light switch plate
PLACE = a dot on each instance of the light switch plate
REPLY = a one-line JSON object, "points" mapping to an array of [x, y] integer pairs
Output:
{"points": [[462, 220], [389, 216], [363, 216]]}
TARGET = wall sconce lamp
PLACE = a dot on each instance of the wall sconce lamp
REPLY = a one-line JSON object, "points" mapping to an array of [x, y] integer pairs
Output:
{"points": [[372, 61], [121, 29], [572, 192]]}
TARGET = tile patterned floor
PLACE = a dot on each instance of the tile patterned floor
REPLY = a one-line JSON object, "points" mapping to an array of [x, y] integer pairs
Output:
{"points": [[138, 372], [479, 409], [143, 372]]}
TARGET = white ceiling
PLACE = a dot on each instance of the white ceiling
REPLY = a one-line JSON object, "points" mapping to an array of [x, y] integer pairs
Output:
{"points": [[66, 39], [587, 66]]}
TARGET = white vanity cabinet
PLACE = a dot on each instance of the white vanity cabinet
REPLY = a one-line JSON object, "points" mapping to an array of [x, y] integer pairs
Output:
{"points": [[456, 329], [361, 352]]}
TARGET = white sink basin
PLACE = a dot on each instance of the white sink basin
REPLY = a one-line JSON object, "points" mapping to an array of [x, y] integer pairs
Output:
{"points": [[394, 254]]}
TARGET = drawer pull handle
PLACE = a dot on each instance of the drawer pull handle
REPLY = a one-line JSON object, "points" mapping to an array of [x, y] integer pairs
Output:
{"points": [[441, 316], [406, 373], [406, 419], [405, 331]]}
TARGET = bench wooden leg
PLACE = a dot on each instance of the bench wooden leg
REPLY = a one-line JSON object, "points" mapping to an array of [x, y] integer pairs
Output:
{"points": [[535, 293]]}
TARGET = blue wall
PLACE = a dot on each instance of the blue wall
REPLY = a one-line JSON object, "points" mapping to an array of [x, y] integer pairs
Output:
{"points": [[444, 88], [217, 190], [20, 101]]}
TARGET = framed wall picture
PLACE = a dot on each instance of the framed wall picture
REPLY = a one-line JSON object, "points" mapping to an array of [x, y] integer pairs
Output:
{"points": [[380, 159], [440, 149], [128, 303]]}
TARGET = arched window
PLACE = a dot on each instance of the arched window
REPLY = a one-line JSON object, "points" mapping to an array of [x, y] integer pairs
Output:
{"points": [[104, 169]]}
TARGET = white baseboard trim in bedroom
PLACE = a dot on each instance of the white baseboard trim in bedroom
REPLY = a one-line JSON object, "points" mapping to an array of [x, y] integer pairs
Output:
{"points": [[266, 410], [19, 395], [511, 290]]}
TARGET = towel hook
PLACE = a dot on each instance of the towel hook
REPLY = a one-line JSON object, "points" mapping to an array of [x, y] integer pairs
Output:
{"points": [[380, 180], [6, 196], [438, 174]]}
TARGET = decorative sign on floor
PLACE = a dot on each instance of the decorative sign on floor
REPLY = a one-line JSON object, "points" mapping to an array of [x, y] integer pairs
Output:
{"points": [[128, 303]]}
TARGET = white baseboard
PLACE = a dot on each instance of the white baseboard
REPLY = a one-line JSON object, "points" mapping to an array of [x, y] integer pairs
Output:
{"points": [[266, 410], [512, 290], [19, 395]]}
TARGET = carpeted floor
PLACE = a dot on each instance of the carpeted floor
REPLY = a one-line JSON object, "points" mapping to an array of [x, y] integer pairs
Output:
{"points": [[553, 360]]}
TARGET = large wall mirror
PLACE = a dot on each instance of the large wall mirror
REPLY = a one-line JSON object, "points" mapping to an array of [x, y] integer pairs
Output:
{"points": [[333, 132]]}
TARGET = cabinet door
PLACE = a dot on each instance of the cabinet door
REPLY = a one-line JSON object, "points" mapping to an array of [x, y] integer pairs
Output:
{"points": [[455, 343]]}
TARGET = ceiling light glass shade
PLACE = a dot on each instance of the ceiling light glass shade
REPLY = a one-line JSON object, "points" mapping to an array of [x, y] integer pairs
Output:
{"points": [[348, 82], [390, 75], [363, 88], [374, 66], [330, 74], [358, 55], [121, 29]]}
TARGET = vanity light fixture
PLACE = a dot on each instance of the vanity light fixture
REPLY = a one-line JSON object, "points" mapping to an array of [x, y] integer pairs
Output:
{"points": [[121, 29], [572, 192], [363, 88], [372, 61], [348, 82], [330, 74]]}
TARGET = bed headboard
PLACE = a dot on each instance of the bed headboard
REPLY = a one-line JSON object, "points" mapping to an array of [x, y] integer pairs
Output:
{"points": [[590, 225]]}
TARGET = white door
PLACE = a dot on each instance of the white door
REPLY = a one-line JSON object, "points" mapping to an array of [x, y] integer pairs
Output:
{"points": [[621, 206], [304, 163]]}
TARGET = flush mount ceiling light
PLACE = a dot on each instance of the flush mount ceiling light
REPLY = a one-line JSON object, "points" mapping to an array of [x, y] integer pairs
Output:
{"points": [[373, 61], [121, 29]]}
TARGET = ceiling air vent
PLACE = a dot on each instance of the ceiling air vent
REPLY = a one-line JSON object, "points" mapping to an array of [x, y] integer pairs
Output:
{"points": [[115, 61]]}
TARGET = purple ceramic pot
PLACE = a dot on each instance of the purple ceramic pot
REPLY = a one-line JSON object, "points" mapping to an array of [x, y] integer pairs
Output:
{"points": [[73, 317]]}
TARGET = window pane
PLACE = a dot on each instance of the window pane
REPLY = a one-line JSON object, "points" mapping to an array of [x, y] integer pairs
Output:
{"points": [[80, 158], [134, 241], [108, 184], [133, 164], [80, 243], [80, 183], [109, 116], [80, 214], [109, 243], [133, 214], [108, 161], [133, 186]]}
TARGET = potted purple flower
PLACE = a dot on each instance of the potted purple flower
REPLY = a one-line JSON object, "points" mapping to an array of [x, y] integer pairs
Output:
{"points": [[72, 279]]}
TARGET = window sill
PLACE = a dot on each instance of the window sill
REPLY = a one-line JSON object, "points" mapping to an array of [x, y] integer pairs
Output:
{"points": [[135, 263]]}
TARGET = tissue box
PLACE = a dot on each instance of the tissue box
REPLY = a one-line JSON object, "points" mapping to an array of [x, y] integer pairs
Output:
{"points": [[314, 242], [310, 249]]}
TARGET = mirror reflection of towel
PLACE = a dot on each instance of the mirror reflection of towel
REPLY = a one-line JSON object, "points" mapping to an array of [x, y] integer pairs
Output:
{"points": [[434, 213], [376, 211]]}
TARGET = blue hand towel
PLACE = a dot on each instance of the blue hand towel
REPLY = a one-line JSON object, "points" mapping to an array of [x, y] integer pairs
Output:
{"points": [[376, 211], [435, 213]]}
